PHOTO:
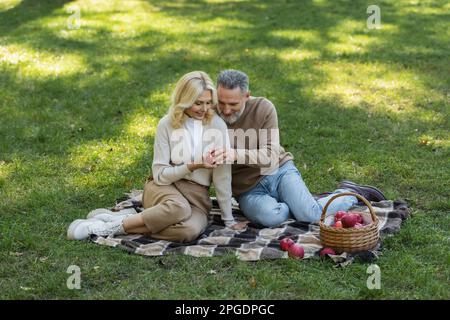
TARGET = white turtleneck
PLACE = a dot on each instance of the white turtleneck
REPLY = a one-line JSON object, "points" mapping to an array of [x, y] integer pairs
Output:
{"points": [[167, 167]]}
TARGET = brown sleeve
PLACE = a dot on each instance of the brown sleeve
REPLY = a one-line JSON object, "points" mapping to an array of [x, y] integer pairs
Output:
{"points": [[266, 153]]}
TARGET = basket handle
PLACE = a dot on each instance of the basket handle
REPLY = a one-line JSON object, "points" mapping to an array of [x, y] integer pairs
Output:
{"points": [[367, 203]]}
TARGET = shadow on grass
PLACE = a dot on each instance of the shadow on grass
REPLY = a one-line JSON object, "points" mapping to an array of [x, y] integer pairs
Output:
{"points": [[263, 18], [25, 12]]}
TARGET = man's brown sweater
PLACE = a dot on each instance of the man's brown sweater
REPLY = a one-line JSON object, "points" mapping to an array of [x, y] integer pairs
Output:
{"points": [[259, 122]]}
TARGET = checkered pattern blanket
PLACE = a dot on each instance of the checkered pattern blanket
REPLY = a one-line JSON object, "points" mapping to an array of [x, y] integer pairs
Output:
{"points": [[256, 242]]}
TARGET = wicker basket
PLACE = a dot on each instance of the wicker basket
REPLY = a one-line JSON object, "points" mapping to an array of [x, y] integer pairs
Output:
{"points": [[349, 239]]}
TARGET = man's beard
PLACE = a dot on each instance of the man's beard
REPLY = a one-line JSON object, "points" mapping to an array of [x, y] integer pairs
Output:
{"points": [[233, 118]]}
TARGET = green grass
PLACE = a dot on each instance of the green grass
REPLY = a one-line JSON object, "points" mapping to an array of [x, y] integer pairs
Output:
{"points": [[78, 110]]}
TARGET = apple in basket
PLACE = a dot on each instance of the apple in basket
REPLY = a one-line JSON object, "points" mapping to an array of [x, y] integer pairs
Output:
{"points": [[338, 224], [286, 243], [358, 217], [296, 251], [338, 215], [349, 220]]}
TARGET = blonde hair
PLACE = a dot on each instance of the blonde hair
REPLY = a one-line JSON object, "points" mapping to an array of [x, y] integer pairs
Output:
{"points": [[186, 92]]}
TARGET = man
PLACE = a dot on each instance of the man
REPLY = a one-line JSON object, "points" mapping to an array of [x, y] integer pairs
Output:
{"points": [[269, 192]]}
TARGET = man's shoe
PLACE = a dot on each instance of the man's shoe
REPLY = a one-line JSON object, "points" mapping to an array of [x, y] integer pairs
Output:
{"points": [[81, 229], [368, 192]]}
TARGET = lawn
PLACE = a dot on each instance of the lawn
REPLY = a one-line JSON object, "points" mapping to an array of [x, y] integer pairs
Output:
{"points": [[79, 108]]}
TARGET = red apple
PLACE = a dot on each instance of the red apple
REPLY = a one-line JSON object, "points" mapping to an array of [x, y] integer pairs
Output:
{"points": [[338, 224], [349, 221], [296, 251], [327, 251], [338, 215], [358, 215], [285, 243], [358, 225]]}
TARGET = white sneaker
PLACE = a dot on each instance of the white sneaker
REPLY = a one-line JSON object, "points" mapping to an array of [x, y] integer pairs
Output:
{"points": [[106, 217], [81, 229], [102, 211]]}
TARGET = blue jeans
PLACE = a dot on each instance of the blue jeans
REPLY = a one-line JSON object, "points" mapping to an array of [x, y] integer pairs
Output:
{"points": [[284, 195]]}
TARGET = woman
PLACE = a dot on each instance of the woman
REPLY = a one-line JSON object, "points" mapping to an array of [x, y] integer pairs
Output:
{"points": [[176, 198]]}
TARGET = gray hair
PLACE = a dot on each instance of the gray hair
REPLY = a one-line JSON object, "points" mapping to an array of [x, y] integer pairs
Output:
{"points": [[230, 79]]}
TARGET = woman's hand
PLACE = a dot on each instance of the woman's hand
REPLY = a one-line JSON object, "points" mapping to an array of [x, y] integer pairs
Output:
{"points": [[209, 162]]}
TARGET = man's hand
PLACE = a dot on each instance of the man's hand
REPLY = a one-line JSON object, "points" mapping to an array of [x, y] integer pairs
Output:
{"points": [[209, 161], [222, 156]]}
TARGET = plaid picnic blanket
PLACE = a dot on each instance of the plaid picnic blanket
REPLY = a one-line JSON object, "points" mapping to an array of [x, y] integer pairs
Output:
{"points": [[256, 242]]}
